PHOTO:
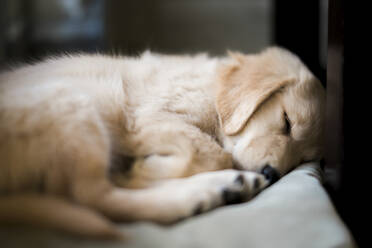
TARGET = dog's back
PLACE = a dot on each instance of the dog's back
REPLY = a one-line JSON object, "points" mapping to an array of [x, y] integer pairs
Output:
{"points": [[46, 108], [118, 93]]}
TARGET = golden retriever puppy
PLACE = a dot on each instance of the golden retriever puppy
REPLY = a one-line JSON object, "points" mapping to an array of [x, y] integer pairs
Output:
{"points": [[86, 139]]}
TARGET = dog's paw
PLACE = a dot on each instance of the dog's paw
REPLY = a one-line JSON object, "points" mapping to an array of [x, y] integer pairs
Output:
{"points": [[225, 187], [206, 191]]}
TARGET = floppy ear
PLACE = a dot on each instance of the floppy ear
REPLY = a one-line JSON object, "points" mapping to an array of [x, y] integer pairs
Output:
{"points": [[244, 85]]}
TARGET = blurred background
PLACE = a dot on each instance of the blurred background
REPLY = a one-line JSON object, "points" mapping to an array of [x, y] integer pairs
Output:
{"points": [[32, 29]]}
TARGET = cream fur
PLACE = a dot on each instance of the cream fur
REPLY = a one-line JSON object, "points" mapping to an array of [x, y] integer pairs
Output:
{"points": [[64, 121]]}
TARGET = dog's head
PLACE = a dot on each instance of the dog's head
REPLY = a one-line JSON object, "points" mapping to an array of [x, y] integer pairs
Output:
{"points": [[271, 110]]}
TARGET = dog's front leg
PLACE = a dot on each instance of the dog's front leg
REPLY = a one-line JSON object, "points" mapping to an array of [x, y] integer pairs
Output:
{"points": [[176, 199], [168, 200]]}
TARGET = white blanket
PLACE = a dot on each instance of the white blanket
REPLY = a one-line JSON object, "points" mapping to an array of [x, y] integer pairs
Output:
{"points": [[294, 212]]}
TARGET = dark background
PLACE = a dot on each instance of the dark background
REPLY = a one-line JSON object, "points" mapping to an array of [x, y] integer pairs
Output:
{"points": [[32, 29], [313, 29]]}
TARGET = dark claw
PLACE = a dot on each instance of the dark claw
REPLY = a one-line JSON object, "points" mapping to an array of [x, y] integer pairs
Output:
{"points": [[198, 210], [240, 180], [232, 197], [256, 184]]}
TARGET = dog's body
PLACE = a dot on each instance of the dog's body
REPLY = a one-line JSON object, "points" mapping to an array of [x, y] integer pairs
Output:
{"points": [[69, 124]]}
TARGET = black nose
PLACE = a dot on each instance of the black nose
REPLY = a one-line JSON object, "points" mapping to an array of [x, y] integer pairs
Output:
{"points": [[271, 174]]}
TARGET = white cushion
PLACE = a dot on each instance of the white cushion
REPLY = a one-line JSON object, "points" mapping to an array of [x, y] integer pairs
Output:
{"points": [[294, 212]]}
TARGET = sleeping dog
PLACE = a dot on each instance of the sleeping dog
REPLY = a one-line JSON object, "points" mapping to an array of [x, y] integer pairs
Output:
{"points": [[90, 139]]}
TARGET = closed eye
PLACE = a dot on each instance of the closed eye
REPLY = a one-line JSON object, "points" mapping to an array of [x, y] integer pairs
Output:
{"points": [[287, 127]]}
